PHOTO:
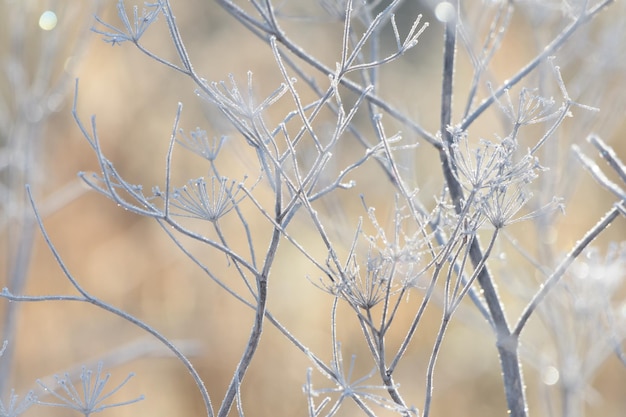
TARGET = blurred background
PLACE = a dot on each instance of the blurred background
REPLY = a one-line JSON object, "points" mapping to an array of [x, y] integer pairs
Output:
{"points": [[130, 262]]}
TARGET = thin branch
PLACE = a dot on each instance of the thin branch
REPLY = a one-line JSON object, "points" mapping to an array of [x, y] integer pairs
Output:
{"points": [[549, 50], [88, 298], [168, 161], [261, 307], [318, 65], [554, 278]]}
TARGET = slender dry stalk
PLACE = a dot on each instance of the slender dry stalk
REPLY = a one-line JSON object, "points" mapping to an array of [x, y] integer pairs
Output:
{"points": [[311, 161]]}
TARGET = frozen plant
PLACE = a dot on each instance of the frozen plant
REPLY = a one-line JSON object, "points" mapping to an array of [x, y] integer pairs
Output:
{"points": [[92, 398], [337, 173]]}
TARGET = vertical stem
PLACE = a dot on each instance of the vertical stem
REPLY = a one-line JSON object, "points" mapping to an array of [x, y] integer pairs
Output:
{"points": [[449, 51], [17, 273], [506, 342], [21, 231], [261, 309], [431, 364]]}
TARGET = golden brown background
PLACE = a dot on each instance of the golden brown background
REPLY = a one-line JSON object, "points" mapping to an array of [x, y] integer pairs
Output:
{"points": [[128, 261]]}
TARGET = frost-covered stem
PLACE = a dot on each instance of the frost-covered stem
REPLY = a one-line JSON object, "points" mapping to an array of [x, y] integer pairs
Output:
{"points": [[23, 147], [431, 363], [507, 344], [268, 315], [257, 329], [88, 298], [445, 321], [305, 56], [604, 222], [17, 274], [550, 49], [442, 256], [385, 373], [22, 151], [492, 44]]}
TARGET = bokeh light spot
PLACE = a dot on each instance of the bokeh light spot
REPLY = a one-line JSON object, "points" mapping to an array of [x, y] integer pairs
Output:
{"points": [[48, 20]]}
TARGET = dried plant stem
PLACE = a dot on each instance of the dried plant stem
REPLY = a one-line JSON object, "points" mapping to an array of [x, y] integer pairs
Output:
{"points": [[88, 298], [550, 49], [554, 278], [506, 344], [260, 310]]}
